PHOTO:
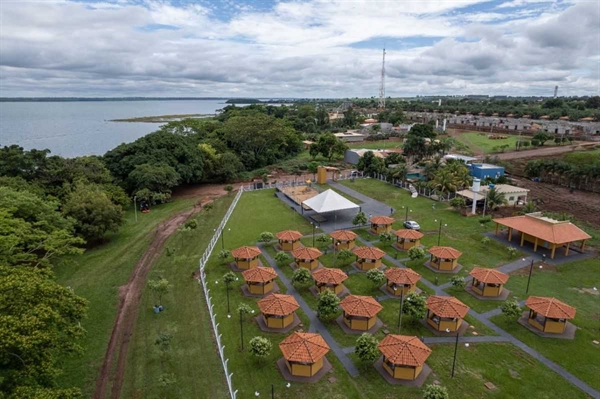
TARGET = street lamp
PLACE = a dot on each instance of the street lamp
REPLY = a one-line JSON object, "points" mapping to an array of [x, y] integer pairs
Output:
{"points": [[455, 351], [406, 213], [314, 226], [273, 389], [242, 325], [334, 254], [222, 237], [401, 308], [440, 231], [530, 273]]}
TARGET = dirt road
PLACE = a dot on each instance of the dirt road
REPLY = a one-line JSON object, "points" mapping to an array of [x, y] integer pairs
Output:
{"points": [[545, 151], [112, 371]]}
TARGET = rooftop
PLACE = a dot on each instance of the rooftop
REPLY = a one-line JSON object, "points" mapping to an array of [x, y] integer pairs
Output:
{"points": [[550, 307], [361, 306], [369, 253], [404, 350], [245, 252], [304, 347], [306, 253], [289, 235], [400, 275], [330, 276], [447, 306], [382, 220], [445, 252], [491, 276], [544, 228], [259, 274], [409, 234], [278, 305], [343, 235]]}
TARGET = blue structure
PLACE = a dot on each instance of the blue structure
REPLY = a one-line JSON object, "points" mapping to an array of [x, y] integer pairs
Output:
{"points": [[483, 170]]}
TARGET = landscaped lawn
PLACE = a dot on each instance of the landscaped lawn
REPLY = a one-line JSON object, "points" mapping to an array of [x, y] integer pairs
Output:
{"points": [[573, 284], [479, 141], [97, 275]]}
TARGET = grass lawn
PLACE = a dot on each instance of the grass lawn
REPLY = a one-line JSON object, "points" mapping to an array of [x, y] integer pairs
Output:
{"points": [[462, 233], [376, 145], [96, 275], [566, 283], [479, 142]]}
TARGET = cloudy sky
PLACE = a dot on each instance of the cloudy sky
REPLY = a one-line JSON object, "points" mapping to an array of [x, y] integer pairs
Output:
{"points": [[315, 48]]}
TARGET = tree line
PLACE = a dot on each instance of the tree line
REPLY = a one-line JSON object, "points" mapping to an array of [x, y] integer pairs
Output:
{"points": [[584, 176]]}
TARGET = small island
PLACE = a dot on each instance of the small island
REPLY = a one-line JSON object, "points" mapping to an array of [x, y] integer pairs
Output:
{"points": [[243, 101]]}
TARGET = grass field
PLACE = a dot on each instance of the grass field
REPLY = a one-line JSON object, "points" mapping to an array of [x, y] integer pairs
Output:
{"points": [[96, 275], [376, 145], [478, 142]]}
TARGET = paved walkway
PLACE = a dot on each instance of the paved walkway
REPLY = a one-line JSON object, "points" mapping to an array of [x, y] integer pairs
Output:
{"points": [[315, 323]]}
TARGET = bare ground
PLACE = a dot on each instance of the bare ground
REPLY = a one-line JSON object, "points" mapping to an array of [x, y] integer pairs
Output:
{"points": [[112, 371]]}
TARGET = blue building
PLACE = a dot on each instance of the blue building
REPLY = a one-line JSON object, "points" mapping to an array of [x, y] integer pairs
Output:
{"points": [[483, 170]]}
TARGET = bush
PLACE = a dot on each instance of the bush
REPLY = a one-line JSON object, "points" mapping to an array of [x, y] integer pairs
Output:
{"points": [[415, 306], [376, 276], [366, 348], [458, 282], [511, 310], [386, 238], [328, 304], [282, 258], [485, 219], [344, 256], [224, 255], [266, 236], [486, 240], [512, 251], [191, 224], [228, 188], [416, 253], [323, 240], [435, 392], [360, 219], [302, 276], [458, 202], [260, 347]]}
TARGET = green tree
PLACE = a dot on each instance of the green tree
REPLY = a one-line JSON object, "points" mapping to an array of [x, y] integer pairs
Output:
{"points": [[529, 207], [260, 347], [302, 277], [266, 236], [458, 203], [93, 211], [415, 306], [541, 138], [366, 348], [328, 304], [153, 183], [494, 199], [386, 238], [229, 277], [432, 391], [224, 255], [512, 251], [511, 310], [376, 276], [360, 219], [350, 117], [344, 256], [282, 258], [370, 164], [458, 282], [416, 253], [323, 240], [159, 287], [228, 188], [40, 327]]}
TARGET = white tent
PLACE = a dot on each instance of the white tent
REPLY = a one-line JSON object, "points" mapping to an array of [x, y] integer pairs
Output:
{"points": [[329, 201]]}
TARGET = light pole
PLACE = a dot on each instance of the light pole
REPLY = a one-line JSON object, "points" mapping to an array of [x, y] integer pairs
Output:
{"points": [[242, 325], [314, 226], [440, 231], [334, 254], [455, 351], [135, 207], [401, 309], [406, 213], [530, 273]]}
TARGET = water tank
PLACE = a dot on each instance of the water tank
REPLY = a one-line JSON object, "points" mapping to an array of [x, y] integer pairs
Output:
{"points": [[492, 185], [476, 185]]}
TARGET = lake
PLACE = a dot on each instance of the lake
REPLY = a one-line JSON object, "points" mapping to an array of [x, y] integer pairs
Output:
{"points": [[73, 129]]}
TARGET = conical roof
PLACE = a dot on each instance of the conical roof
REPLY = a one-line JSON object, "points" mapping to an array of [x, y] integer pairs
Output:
{"points": [[404, 350]]}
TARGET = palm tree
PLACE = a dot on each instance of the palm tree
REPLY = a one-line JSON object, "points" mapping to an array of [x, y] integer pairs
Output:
{"points": [[495, 199], [529, 207], [399, 172], [444, 181]]}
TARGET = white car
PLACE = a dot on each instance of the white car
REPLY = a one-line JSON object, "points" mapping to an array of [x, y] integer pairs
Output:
{"points": [[412, 225]]}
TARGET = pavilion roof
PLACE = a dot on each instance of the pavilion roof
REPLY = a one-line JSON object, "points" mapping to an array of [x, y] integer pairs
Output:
{"points": [[259, 274], [289, 235], [306, 253], [401, 275], [246, 252], [329, 276], [362, 306], [445, 252], [447, 306], [409, 234], [368, 253], [278, 305], [490, 276], [550, 307], [553, 231], [404, 350], [382, 220], [304, 347], [343, 235]]}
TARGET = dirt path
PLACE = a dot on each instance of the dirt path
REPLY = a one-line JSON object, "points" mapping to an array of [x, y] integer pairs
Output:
{"points": [[545, 151], [112, 371]]}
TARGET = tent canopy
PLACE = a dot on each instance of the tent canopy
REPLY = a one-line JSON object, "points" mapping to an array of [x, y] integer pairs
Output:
{"points": [[329, 201]]}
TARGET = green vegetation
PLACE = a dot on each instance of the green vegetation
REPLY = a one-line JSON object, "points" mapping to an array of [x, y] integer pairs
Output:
{"points": [[479, 142], [161, 118], [579, 170]]}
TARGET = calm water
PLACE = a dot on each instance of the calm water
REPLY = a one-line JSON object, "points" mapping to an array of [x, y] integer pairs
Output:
{"points": [[72, 129]]}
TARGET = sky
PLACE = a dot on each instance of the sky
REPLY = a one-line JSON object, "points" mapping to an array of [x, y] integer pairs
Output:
{"points": [[311, 48]]}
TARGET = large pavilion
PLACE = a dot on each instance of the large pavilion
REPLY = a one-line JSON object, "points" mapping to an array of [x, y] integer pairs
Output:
{"points": [[445, 313], [403, 356], [540, 230], [328, 202], [304, 353]]}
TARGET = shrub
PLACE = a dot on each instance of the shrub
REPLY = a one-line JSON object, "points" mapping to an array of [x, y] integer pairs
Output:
{"points": [[511, 310], [323, 240], [228, 188], [486, 240], [512, 251], [366, 348], [415, 306], [376, 276], [485, 219], [302, 276], [457, 282], [458, 202], [260, 347], [266, 236], [224, 255], [386, 238], [360, 219], [435, 392], [282, 258], [191, 224], [344, 256], [416, 253], [328, 304]]}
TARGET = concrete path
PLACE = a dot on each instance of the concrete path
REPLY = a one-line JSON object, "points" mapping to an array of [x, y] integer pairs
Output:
{"points": [[315, 324]]}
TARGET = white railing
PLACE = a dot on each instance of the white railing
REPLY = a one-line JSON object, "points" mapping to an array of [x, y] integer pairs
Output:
{"points": [[209, 304]]}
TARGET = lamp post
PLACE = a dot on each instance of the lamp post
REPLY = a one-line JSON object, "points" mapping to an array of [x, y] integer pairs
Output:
{"points": [[530, 273], [440, 231], [334, 254], [314, 226], [242, 325], [455, 351], [401, 309], [406, 213]]}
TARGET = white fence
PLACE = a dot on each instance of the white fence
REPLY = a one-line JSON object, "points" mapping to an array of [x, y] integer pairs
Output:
{"points": [[213, 316]]}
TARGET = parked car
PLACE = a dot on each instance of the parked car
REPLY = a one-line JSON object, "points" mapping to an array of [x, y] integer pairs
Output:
{"points": [[412, 225]]}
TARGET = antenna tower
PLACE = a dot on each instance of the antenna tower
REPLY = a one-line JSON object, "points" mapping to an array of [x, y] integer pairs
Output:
{"points": [[382, 88], [555, 91]]}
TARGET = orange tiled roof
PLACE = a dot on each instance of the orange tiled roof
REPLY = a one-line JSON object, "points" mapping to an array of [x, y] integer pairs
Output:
{"points": [[329, 276], [491, 276], [309, 253], [246, 252], [447, 306], [289, 235], [343, 235], [362, 306], [278, 305], [304, 347], [409, 234], [382, 220], [404, 350], [259, 274], [545, 229], [445, 252], [550, 307], [401, 275], [368, 253]]}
